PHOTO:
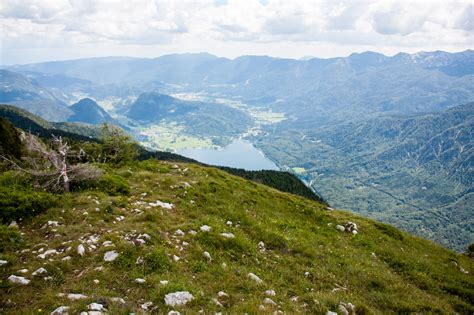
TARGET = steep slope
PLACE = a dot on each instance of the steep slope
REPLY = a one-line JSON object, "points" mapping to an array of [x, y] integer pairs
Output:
{"points": [[415, 172], [29, 122], [28, 94], [88, 111], [194, 229]]}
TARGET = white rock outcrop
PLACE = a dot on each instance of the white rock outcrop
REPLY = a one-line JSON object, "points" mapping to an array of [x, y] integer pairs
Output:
{"points": [[81, 250], [39, 271], [254, 277], [110, 255], [96, 307], [207, 255], [18, 280], [62, 310], [205, 228], [270, 293], [178, 298], [140, 280], [227, 235]]}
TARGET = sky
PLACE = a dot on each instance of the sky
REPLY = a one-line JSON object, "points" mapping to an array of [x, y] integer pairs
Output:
{"points": [[44, 30]]}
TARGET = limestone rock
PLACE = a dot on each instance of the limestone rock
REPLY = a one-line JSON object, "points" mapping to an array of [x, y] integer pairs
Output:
{"points": [[207, 255], [255, 278], [18, 280], [178, 298], [39, 271], [140, 280], [205, 228], [269, 301], [62, 310], [81, 250], [270, 293], [228, 235], [110, 255], [96, 307]]}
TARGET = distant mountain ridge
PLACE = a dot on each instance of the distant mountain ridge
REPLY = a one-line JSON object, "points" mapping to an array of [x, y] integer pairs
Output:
{"points": [[364, 82], [28, 94]]}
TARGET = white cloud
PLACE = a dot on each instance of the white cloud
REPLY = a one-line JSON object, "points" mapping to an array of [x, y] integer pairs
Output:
{"points": [[275, 27]]}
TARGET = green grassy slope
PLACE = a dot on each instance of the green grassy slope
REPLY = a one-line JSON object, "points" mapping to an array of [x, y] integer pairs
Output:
{"points": [[25, 120], [309, 263]]}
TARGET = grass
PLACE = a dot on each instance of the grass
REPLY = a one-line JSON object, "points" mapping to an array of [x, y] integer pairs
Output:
{"points": [[305, 256]]}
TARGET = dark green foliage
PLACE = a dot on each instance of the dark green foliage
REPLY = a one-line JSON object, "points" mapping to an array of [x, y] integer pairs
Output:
{"points": [[10, 239], [156, 261], [44, 129], [114, 185], [10, 144], [20, 203], [117, 146], [282, 181]]}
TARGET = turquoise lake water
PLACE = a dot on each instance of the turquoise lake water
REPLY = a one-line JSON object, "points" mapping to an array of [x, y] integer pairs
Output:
{"points": [[238, 154]]}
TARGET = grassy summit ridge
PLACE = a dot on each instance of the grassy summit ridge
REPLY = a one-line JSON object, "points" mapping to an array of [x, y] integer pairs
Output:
{"points": [[310, 265]]}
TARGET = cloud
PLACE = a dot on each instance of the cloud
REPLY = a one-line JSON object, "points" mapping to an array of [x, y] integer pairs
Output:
{"points": [[215, 24]]}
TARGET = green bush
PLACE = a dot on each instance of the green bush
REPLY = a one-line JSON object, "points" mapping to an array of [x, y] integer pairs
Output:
{"points": [[157, 261], [10, 239], [114, 185], [17, 204]]}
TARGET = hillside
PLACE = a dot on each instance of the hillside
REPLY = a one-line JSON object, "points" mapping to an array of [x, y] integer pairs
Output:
{"points": [[190, 228], [28, 122], [43, 128], [415, 172], [88, 111]]}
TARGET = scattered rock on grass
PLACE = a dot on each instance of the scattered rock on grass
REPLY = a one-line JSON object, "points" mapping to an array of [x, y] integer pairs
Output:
{"points": [[110, 255], [96, 307], [39, 271], [18, 280], [146, 306], [340, 228], [207, 255], [178, 298], [81, 250], [205, 228], [3, 262], [62, 310], [255, 278], [269, 301], [270, 293], [47, 253], [117, 300], [228, 235], [140, 280]]}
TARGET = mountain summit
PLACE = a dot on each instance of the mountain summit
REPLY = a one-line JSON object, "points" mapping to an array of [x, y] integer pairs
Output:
{"points": [[88, 111]]}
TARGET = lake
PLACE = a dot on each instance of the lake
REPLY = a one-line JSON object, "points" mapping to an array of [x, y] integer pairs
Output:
{"points": [[238, 154]]}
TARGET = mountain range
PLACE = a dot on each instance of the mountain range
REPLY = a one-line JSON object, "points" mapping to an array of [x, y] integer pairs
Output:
{"points": [[386, 136]]}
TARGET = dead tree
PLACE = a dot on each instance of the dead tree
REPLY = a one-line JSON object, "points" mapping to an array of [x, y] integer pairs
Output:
{"points": [[49, 166]]}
